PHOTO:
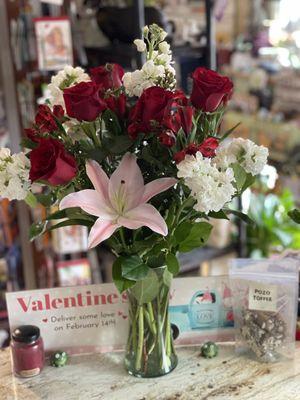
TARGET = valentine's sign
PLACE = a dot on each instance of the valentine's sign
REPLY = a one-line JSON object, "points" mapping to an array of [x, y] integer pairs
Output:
{"points": [[92, 318]]}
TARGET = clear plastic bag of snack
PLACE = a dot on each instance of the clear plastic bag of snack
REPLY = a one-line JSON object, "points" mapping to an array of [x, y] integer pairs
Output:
{"points": [[265, 295]]}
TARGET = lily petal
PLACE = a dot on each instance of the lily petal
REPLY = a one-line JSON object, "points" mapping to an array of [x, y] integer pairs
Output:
{"points": [[157, 186], [126, 184], [98, 178], [144, 215], [90, 201], [101, 231]]}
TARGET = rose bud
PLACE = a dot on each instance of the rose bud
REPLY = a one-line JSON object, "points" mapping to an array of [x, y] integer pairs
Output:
{"points": [[208, 147], [180, 156], [167, 139], [109, 76], [210, 90]]}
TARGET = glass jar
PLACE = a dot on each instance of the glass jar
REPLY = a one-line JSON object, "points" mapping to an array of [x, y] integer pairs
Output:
{"points": [[27, 351]]}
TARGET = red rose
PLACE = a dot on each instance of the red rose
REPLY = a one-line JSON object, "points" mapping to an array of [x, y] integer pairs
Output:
{"points": [[180, 156], [179, 117], [117, 104], [208, 147], [32, 134], [210, 89], [149, 110], [192, 149], [52, 163], [167, 139], [45, 119], [83, 101], [109, 76]]}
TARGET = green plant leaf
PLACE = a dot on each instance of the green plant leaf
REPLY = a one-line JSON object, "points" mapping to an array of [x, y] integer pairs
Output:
{"points": [[97, 154], [133, 268], [240, 176], [37, 229], [242, 216], [167, 277], [147, 289], [182, 231], [218, 215], [250, 179], [172, 263], [31, 200], [70, 222], [121, 283], [111, 122], [295, 215], [197, 237], [226, 134], [45, 199]]}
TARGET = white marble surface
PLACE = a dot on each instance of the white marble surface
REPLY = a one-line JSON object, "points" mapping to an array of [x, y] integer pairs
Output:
{"points": [[103, 377]]}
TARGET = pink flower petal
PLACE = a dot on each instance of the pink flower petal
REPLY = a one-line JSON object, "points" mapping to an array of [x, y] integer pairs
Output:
{"points": [[144, 215], [90, 201], [101, 231], [157, 186], [98, 178], [126, 185]]}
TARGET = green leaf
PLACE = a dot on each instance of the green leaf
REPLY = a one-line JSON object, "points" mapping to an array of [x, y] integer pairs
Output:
{"points": [[133, 268], [45, 199], [167, 277], [182, 231], [226, 134], [147, 289], [70, 222], [218, 214], [97, 154], [248, 182], [37, 230], [242, 216], [197, 237], [28, 144], [60, 214], [172, 264], [111, 122], [121, 283], [120, 144], [240, 176], [31, 200], [295, 215]]}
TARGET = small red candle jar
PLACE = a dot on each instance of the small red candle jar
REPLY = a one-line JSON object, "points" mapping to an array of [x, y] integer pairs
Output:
{"points": [[27, 351]]}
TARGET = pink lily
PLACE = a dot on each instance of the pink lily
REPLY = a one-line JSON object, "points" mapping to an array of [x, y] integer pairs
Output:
{"points": [[120, 200]]}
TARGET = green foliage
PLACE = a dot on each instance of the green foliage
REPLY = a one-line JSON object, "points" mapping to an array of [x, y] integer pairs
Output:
{"points": [[172, 264], [146, 290], [273, 227], [295, 215], [197, 237], [121, 283], [37, 229], [133, 268]]}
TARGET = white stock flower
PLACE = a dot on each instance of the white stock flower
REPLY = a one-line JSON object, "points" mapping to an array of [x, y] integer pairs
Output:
{"points": [[164, 47], [140, 45], [139, 80], [14, 175], [249, 155], [163, 35], [210, 187], [67, 77]]}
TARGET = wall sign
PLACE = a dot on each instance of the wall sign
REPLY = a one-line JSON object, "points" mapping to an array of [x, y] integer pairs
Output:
{"points": [[92, 318]]}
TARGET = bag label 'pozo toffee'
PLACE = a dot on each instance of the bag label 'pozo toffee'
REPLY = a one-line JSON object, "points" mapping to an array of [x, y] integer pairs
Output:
{"points": [[262, 297]]}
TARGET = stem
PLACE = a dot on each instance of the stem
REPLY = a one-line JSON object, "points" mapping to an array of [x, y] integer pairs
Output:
{"points": [[122, 236], [139, 353]]}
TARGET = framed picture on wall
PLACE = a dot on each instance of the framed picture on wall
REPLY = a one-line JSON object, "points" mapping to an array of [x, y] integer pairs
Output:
{"points": [[54, 43], [74, 272]]}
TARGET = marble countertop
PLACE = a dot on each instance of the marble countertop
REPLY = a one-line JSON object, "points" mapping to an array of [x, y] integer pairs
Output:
{"points": [[102, 377]]}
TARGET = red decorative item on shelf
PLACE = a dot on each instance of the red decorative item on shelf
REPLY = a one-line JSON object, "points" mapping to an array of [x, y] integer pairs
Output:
{"points": [[27, 351]]}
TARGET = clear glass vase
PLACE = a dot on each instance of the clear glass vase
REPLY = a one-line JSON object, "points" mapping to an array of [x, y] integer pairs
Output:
{"points": [[150, 350]]}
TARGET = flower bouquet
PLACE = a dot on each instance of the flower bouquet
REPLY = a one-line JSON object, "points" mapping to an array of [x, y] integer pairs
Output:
{"points": [[141, 165]]}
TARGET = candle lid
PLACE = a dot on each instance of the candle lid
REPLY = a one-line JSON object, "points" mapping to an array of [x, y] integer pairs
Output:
{"points": [[26, 334]]}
